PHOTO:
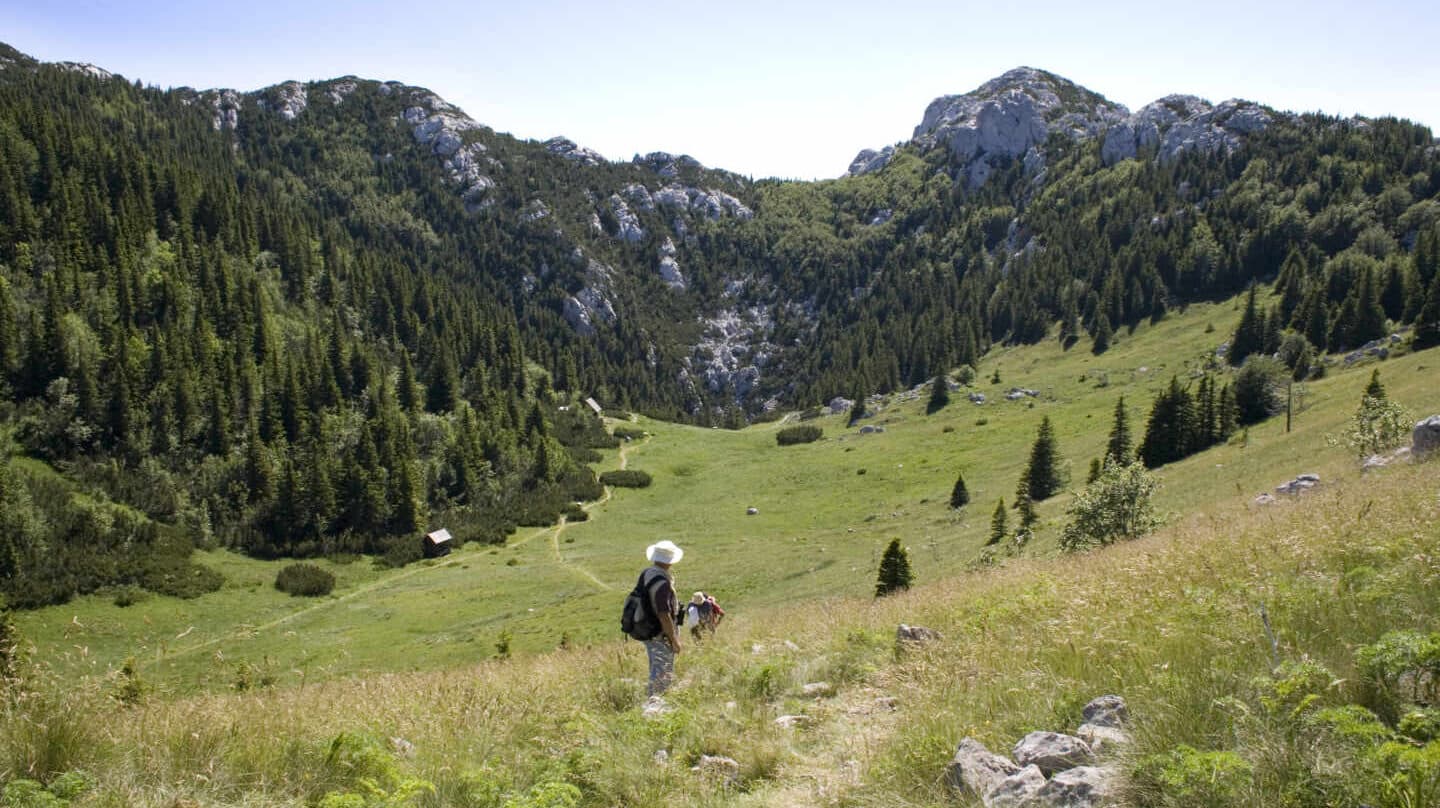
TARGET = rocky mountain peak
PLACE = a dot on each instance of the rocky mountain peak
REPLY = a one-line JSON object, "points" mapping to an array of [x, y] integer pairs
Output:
{"points": [[1012, 115], [1009, 116]]}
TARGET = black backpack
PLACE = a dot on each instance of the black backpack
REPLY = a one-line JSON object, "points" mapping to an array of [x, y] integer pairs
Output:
{"points": [[638, 618]]}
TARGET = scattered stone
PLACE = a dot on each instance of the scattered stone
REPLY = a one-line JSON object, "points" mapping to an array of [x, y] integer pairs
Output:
{"points": [[887, 702], [977, 398], [871, 429], [724, 769], [654, 707], [1265, 499], [1106, 711], [840, 405], [1303, 482], [791, 721], [751, 511], [978, 769], [1080, 787], [915, 635], [1052, 751], [815, 690], [790, 646], [1016, 791], [1425, 438], [661, 757], [401, 747]]}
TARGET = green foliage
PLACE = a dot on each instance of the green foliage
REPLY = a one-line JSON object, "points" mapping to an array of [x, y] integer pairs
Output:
{"points": [[895, 575], [629, 433], [959, 495], [1116, 506], [1378, 426], [939, 395], [792, 435], [997, 524], [1421, 723], [1191, 778], [1295, 688], [367, 776], [305, 580], [1260, 389], [1043, 476], [627, 478], [1119, 448]]}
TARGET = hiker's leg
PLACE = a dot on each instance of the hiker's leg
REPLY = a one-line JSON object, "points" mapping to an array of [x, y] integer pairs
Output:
{"points": [[662, 665]]}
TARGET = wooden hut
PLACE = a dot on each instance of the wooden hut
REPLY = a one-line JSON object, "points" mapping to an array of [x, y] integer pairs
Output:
{"points": [[436, 544]]}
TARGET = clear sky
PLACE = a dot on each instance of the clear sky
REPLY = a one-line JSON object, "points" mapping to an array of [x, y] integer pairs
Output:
{"points": [[777, 88]]}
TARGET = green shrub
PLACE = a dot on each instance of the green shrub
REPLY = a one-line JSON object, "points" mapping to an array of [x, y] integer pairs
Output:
{"points": [[792, 435], [627, 478], [305, 579], [629, 433], [401, 550], [1422, 724], [1189, 777]]}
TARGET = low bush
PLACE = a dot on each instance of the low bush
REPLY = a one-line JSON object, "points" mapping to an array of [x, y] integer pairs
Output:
{"points": [[628, 433], [306, 580], [626, 479], [792, 435]]}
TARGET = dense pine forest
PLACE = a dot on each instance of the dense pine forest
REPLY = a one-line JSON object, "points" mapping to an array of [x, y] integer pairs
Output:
{"points": [[305, 329]]}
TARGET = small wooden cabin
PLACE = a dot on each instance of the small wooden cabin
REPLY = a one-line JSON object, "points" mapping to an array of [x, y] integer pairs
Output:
{"points": [[436, 544], [594, 405]]}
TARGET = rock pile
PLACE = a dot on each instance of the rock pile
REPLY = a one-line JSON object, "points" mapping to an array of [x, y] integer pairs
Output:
{"points": [[1049, 769], [1302, 482]]}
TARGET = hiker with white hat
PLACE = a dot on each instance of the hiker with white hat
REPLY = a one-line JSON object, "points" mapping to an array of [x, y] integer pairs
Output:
{"points": [[659, 585]]}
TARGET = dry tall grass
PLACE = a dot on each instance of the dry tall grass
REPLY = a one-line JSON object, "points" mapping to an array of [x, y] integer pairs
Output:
{"points": [[1172, 622]]}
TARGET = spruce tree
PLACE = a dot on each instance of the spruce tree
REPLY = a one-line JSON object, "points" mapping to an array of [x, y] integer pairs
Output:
{"points": [[895, 575], [1427, 322], [939, 395], [959, 495], [1120, 448], [1375, 389], [1101, 334], [857, 410], [1042, 477], [997, 523], [1249, 336]]}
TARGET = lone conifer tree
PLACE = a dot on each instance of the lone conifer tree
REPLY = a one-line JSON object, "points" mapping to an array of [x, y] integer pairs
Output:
{"points": [[997, 524], [895, 575], [959, 495], [939, 395], [1120, 449], [1375, 389], [1041, 479]]}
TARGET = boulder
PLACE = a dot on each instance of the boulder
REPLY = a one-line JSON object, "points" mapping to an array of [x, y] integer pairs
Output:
{"points": [[915, 635], [751, 511], [791, 721], [815, 690], [1052, 751], [724, 769], [1080, 787], [1019, 790], [1425, 438], [1265, 499], [978, 769], [1106, 711], [1103, 739]]}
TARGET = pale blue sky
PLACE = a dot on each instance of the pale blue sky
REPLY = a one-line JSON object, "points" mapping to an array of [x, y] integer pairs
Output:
{"points": [[774, 88]]}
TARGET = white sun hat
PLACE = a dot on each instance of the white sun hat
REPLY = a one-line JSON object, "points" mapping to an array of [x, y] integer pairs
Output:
{"points": [[664, 552]]}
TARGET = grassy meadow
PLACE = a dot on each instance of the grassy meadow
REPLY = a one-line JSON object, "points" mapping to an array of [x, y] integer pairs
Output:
{"points": [[250, 697]]}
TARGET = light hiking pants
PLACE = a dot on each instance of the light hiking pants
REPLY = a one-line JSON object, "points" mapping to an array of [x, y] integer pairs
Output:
{"points": [[662, 665]]}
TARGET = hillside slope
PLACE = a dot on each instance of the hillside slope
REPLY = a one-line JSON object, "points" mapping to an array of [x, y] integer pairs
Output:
{"points": [[1173, 622]]}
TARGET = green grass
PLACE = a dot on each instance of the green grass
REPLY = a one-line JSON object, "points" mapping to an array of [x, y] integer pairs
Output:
{"points": [[1171, 621], [819, 532]]}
